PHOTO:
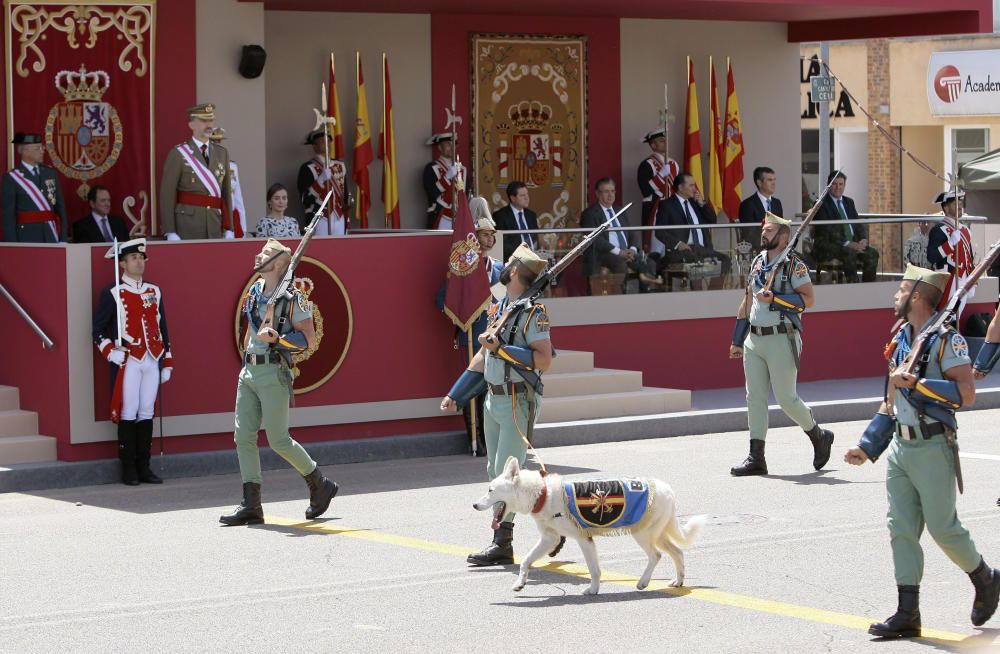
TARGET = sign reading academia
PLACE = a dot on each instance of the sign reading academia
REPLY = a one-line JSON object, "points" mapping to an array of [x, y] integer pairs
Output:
{"points": [[964, 83]]}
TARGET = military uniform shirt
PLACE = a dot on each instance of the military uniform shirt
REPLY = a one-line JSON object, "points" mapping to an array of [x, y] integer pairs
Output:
{"points": [[300, 311], [761, 314], [954, 353], [532, 326]]}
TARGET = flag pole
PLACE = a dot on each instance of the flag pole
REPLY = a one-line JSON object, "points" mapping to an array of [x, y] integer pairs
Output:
{"points": [[385, 148]]}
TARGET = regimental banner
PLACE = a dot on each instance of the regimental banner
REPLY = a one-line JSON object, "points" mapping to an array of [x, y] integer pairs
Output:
{"points": [[964, 83], [528, 115], [82, 76]]}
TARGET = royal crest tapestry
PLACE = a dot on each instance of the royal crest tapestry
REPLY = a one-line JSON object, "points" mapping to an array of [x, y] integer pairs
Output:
{"points": [[81, 75], [528, 116]]}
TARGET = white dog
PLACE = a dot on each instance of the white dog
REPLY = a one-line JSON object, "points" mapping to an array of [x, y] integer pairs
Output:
{"points": [[560, 510]]}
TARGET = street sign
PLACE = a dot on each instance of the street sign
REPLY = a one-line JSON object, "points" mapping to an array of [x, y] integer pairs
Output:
{"points": [[822, 88]]}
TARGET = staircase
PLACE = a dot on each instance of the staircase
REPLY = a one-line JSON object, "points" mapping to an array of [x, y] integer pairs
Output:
{"points": [[19, 439], [576, 390]]}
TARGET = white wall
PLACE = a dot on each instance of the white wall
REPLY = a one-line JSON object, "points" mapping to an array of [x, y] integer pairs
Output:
{"points": [[766, 69]]}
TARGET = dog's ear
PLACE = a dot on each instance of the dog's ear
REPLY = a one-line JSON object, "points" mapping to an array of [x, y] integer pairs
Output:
{"points": [[511, 468]]}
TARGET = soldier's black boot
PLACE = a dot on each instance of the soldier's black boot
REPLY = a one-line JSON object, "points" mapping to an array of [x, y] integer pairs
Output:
{"points": [[987, 583], [754, 464], [321, 492], [249, 512], [143, 448], [500, 551], [905, 622], [126, 452], [821, 439]]}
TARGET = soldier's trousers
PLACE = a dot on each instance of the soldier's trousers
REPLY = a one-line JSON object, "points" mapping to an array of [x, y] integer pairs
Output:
{"points": [[503, 434], [920, 482], [262, 396], [768, 364]]}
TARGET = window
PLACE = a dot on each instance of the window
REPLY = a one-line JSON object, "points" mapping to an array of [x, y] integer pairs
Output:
{"points": [[970, 143]]}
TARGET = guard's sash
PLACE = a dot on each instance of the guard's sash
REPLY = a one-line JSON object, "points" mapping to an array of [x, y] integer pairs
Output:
{"points": [[607, 503], [201, 171], [36, 196]]}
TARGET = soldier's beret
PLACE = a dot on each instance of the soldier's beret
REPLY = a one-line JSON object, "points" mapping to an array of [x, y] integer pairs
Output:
{"points": [[128, 247], [275, 244], [655, 134], [774, 219], [944, 197], [202, 111], [315, 134], [481, 216], [938, 280], [440, 137], [525, 255], [26, 138]]}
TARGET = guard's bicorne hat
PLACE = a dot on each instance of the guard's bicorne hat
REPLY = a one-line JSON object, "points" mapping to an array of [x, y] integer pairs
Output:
{"points": [[440, 137], [525, 255], [944, 197], [315, 134], [128, 247], [26, 138], [655, 134], [204, 111], [938, 280]]}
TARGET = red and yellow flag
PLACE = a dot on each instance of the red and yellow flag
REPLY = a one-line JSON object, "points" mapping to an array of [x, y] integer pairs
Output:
{"points": [[714, 145], [335, 131], [467, 286], [732, 162], [387, 153], [692, 132], [362, 154]]}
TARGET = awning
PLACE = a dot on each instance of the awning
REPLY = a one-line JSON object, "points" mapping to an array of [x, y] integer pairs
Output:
{"points": [[983, 173]]}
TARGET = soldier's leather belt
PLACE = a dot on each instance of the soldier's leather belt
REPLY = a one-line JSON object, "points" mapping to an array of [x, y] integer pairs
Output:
{"points": [[199, 200], [767, 331], [507, 389], [24, 217], [261, 359], [928, 429]]}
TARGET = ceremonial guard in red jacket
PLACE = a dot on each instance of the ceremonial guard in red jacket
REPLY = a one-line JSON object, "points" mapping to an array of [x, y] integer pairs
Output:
{"points": [[439, 182], [316, 178], [130, 330], [655, 177]]}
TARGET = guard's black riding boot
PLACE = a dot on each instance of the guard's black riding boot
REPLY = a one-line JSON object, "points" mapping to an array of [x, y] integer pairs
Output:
{"points": [[754, 463], [143, 448], [500, 551], [987, 583], [126, 452], [821, 439], [905, 622], [321, 492], [249, 512]]}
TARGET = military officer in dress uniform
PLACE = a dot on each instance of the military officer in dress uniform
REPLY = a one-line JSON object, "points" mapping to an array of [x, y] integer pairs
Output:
{"points": [[316, 179], [140, 362], [515, 351], [923, 466], [195, 198], [265, 386], [656, 177], [767, 338], [439, 177], [33, 208]]}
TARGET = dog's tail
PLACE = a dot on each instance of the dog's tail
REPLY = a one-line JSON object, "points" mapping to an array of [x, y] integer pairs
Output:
{"points": [[686, 535]]}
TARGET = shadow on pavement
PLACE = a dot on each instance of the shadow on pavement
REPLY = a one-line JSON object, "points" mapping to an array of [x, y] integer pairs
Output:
{"points": [[818, 478]]}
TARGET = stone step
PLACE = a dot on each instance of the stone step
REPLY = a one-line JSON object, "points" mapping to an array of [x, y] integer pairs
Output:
{"points": [[15, 422], [571, 361], [9, 398], [592, 382], [27, 449], [610, 405]]}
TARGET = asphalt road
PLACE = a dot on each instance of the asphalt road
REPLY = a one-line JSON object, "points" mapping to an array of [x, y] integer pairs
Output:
{"points": [[794, 562]]}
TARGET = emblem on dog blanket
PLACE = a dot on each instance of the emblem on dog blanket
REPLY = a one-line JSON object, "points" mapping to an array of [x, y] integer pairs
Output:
{"points": [[607, 503]]}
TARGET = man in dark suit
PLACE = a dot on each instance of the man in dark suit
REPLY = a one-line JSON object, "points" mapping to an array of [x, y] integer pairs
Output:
{"points": [[100, 226], [753, 208], [614, 248], [33, 208], [848, 243], [687, 207], [517, 215]]}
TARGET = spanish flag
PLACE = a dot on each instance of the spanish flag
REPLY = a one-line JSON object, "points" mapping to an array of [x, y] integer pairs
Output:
{"points": [[732, 162], [387, 153], [714, 147], [335, 131], [362, 154], [692, 132]]}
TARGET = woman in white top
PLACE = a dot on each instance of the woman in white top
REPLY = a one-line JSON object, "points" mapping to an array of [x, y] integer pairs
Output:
{"points": [[276, 224]]}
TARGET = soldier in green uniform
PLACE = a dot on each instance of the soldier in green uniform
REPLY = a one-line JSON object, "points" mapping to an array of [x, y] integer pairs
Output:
{"points": [[265, 387], [33, 208], [767, 337], [923, 457], [515, 348]]}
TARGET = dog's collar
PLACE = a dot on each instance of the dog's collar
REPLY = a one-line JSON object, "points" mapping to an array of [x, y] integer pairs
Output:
{"points": [[541, 499]]}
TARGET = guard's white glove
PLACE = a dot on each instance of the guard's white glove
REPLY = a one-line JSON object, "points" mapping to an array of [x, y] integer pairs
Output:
{"points": [[325, 176], [452, 172], [228, 234], [116, 357], [664, 172], [171, 236], [165, 375]]}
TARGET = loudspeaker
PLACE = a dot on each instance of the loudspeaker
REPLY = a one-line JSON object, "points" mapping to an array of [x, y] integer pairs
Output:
{"points": [[252, 61]]}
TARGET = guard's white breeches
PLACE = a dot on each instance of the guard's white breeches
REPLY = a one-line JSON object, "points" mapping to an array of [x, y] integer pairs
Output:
{"points": [[142, 378]]}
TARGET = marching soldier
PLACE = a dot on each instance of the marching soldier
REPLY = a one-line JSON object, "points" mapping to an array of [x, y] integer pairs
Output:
{"points": [[515, 348], [767, 338], [656, 177], [265, 386], [439, 182], [140, 364], [316, 177], [33, 208], [923, 464], [195, 198]]}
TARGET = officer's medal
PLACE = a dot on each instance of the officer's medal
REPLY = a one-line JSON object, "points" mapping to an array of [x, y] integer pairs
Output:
{"points": [[50, 190]]}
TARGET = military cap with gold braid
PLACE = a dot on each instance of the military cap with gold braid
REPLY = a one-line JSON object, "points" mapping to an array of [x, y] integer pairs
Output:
{"points": [[535, 263], [938, 280], [774, 219], [202, 111]]}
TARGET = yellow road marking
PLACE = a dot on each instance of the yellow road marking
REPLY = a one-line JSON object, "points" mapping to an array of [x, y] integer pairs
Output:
{"points": [[607, 577]]}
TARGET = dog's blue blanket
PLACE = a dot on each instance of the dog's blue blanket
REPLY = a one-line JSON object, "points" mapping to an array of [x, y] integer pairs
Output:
{"points": [[607, 503]]}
